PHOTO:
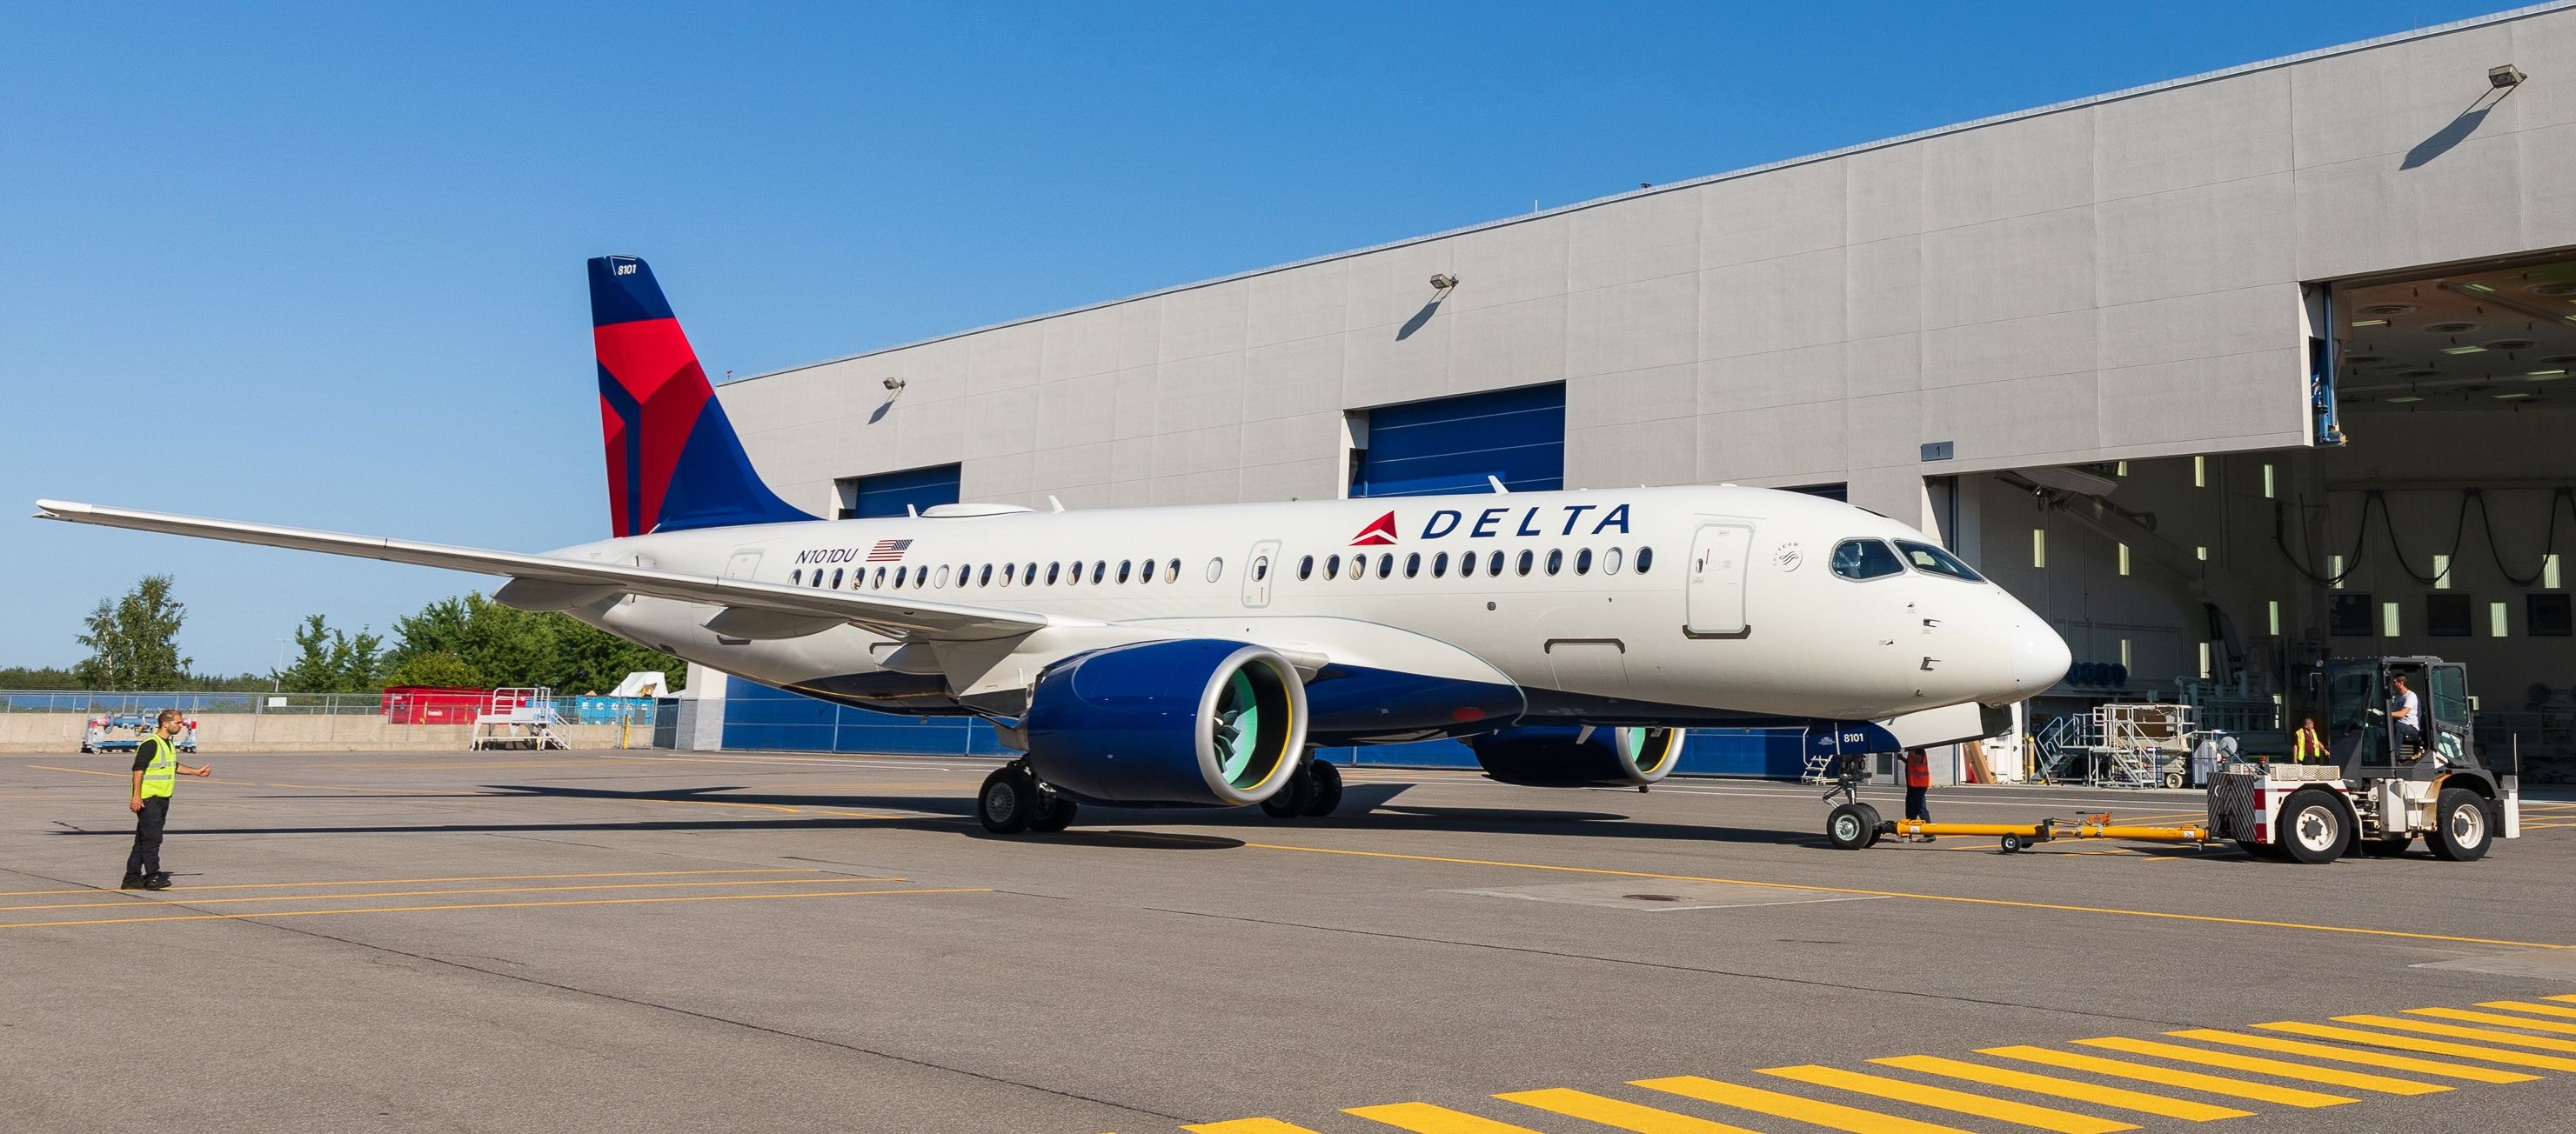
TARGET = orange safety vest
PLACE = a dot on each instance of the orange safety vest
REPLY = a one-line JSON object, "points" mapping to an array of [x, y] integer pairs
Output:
{"points": [[1918, 770]]}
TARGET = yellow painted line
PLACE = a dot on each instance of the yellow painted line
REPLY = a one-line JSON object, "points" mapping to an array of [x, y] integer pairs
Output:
{"points": [[1424, 1118], [2569, 998], [192, 903], [2149, 1073], [2429, 1046], [490, 906], [2527, 1006], [1248, 1126], [2305, 1072], [1778, 1105], [1943, 1098], [2120, 1097], [394, 881], [2492, 1018], [2468, 1071], [2483, 1034], [1624, 1115], [2004, 902]]}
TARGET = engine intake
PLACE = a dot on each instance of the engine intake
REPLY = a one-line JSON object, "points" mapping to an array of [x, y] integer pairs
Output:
{"points": [[1193, 722], [1576, 756]]}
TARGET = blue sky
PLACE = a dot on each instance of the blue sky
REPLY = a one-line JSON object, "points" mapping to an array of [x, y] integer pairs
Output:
{"points": [[322, 265]]}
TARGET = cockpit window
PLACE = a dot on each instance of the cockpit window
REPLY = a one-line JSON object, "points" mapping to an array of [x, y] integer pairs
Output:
{"points": [[1865, 559], [1933, 561]]}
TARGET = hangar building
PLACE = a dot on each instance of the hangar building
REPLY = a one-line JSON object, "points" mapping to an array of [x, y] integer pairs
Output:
{"points": [[2221, 375]]}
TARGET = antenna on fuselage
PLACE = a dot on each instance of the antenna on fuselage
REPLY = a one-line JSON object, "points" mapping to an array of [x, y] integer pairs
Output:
{"points": [[1497, 482], [912, 511], [1058, 504]]}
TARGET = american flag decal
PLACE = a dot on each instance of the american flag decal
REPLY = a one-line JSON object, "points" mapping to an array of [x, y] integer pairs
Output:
{"points": [[888, 551]]}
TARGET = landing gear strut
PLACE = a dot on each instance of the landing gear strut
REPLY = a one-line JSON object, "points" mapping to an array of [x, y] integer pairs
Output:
{"points": [[1014, 800]]}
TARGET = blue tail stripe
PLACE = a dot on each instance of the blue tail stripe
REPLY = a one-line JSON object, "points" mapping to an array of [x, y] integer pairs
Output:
{"points": [[715, 486]]}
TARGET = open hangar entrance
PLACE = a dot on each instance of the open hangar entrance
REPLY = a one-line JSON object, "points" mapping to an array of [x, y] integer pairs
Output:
{"points": [[2442, 523]]}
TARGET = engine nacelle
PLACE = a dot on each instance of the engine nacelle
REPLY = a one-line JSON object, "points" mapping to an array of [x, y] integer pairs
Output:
{"points": [[1575, 756], [1189, 722]]}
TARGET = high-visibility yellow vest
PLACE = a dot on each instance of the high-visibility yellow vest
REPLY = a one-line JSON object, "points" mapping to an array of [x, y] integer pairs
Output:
{"points": [[162, 774], [2305, 746]]}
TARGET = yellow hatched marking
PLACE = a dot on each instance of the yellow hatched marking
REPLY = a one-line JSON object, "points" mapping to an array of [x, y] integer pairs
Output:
{"points": [[2470, 1072], [2492, 1018], [2120, 1097], [1624, 1115], [2302, 1071], [487, 906], [2527, 1006], [1248, 1126], [391, 881], [192, 903], [2146, 1073], [1424, 1118], [1760, 1101], [2431, 1046], [2488, 1035], [1943, 1098]]}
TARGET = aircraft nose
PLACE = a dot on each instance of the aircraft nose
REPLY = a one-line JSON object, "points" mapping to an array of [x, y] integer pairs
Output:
{"points": [[2039, 656]]}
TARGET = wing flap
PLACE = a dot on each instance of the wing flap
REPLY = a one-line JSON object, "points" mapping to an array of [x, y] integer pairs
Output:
{"points": [[936, 621]]}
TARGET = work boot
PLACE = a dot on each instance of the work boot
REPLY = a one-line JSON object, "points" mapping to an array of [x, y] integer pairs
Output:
{"points": [[132, 882], [156, 882], [161, 876]]}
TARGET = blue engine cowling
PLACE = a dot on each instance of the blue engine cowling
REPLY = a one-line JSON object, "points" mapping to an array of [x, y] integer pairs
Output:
{"points": [[1193, 722], [1578, 756]]}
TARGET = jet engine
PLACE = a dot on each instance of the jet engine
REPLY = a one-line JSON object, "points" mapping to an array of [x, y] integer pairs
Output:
{"points": [[1578, 756], [1192, 722]]}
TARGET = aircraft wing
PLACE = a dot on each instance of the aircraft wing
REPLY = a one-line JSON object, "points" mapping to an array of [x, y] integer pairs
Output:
{"points": [[542, 582]]}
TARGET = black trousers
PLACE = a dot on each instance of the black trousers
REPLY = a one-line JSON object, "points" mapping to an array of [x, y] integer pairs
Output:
{"points": [[1915, 808], [146, 858]]}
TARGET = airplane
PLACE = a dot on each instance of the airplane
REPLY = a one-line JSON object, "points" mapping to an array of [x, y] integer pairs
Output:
{"points": [[1197, 656]]}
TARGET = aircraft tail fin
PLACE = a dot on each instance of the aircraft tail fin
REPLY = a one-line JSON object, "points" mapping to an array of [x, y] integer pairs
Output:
{"points": [[674, 462]]}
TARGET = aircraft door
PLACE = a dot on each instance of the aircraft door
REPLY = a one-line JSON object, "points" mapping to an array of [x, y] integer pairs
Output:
{"points": [[1718, 564], [745, 563], [1260, 569]]}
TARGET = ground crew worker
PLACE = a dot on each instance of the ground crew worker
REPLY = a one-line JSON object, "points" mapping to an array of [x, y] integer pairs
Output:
{"points": [[1918, 780], [2306, 747], [156, 772]]}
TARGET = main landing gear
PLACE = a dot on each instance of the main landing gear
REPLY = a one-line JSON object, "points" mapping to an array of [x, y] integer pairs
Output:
{"points": [[1014, 800], [1313, 791]]}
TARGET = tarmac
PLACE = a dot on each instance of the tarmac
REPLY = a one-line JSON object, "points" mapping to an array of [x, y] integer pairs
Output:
{"points": [[672, 941]]}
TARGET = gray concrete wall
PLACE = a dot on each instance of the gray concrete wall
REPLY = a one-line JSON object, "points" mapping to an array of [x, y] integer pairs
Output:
{"points": [[2118, 278]]}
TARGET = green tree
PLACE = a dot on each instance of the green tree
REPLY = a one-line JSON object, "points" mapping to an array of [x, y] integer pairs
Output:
{"points": [[333, 661], [437, 669], [133, 640], [506, 646]]}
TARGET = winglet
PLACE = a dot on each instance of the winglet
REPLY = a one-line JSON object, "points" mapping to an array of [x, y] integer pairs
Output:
{"points": [[59, 510], [1497, 482]]}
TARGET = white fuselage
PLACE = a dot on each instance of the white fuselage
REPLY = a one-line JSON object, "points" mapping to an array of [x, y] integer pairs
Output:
{"points": [[1737, 607]]}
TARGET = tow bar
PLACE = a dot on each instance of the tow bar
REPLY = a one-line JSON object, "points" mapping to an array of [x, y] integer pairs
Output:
{"points": [[2015, 836]]}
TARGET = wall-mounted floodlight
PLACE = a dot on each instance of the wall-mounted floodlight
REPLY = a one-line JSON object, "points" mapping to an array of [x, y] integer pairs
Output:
{"points": [[1443, 282], [894, 385], [2505, 76]]}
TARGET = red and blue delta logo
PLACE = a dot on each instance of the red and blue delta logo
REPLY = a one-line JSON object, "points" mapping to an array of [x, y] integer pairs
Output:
{"points": [[1490, 523]]}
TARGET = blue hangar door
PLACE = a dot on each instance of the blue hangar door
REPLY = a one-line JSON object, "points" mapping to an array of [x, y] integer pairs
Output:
{"points": [[1453, 444]]}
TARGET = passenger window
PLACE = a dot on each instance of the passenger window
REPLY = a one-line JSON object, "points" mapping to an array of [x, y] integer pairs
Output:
{"points": [[1172, 571], [1306, 568], [941, 579], [1332, 567], [1099, 571], [1555, 560], [1359, 566], [1029, 574], [1010, 571], [1054, 571], [1261, 568], [1386, 565], [898, 577], [1645, 560], [1583, 562], [880, 583], [836, 578], [1216, 567], [1862, 559], [984, 578], [1439, 565], [1610, 562], [796, 578], [1413, 565], [1526, 559], [1466, 564], [1126, 567], [1932, 560]]}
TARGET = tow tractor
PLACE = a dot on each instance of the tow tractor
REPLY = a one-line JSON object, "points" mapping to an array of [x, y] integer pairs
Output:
{"points": [[2381, 787]]}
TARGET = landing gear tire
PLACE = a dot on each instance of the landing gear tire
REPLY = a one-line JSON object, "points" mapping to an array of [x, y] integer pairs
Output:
{"points": [[1851, 826], [2313, 828], [1877, 824], [1055, 814], [1292, 800], [1328, 789], [1008, 800], [2463, 826], [2386, 846]]}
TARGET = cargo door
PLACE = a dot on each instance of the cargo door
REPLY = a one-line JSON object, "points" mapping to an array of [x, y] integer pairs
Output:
{"points": [[1719, 555]]}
